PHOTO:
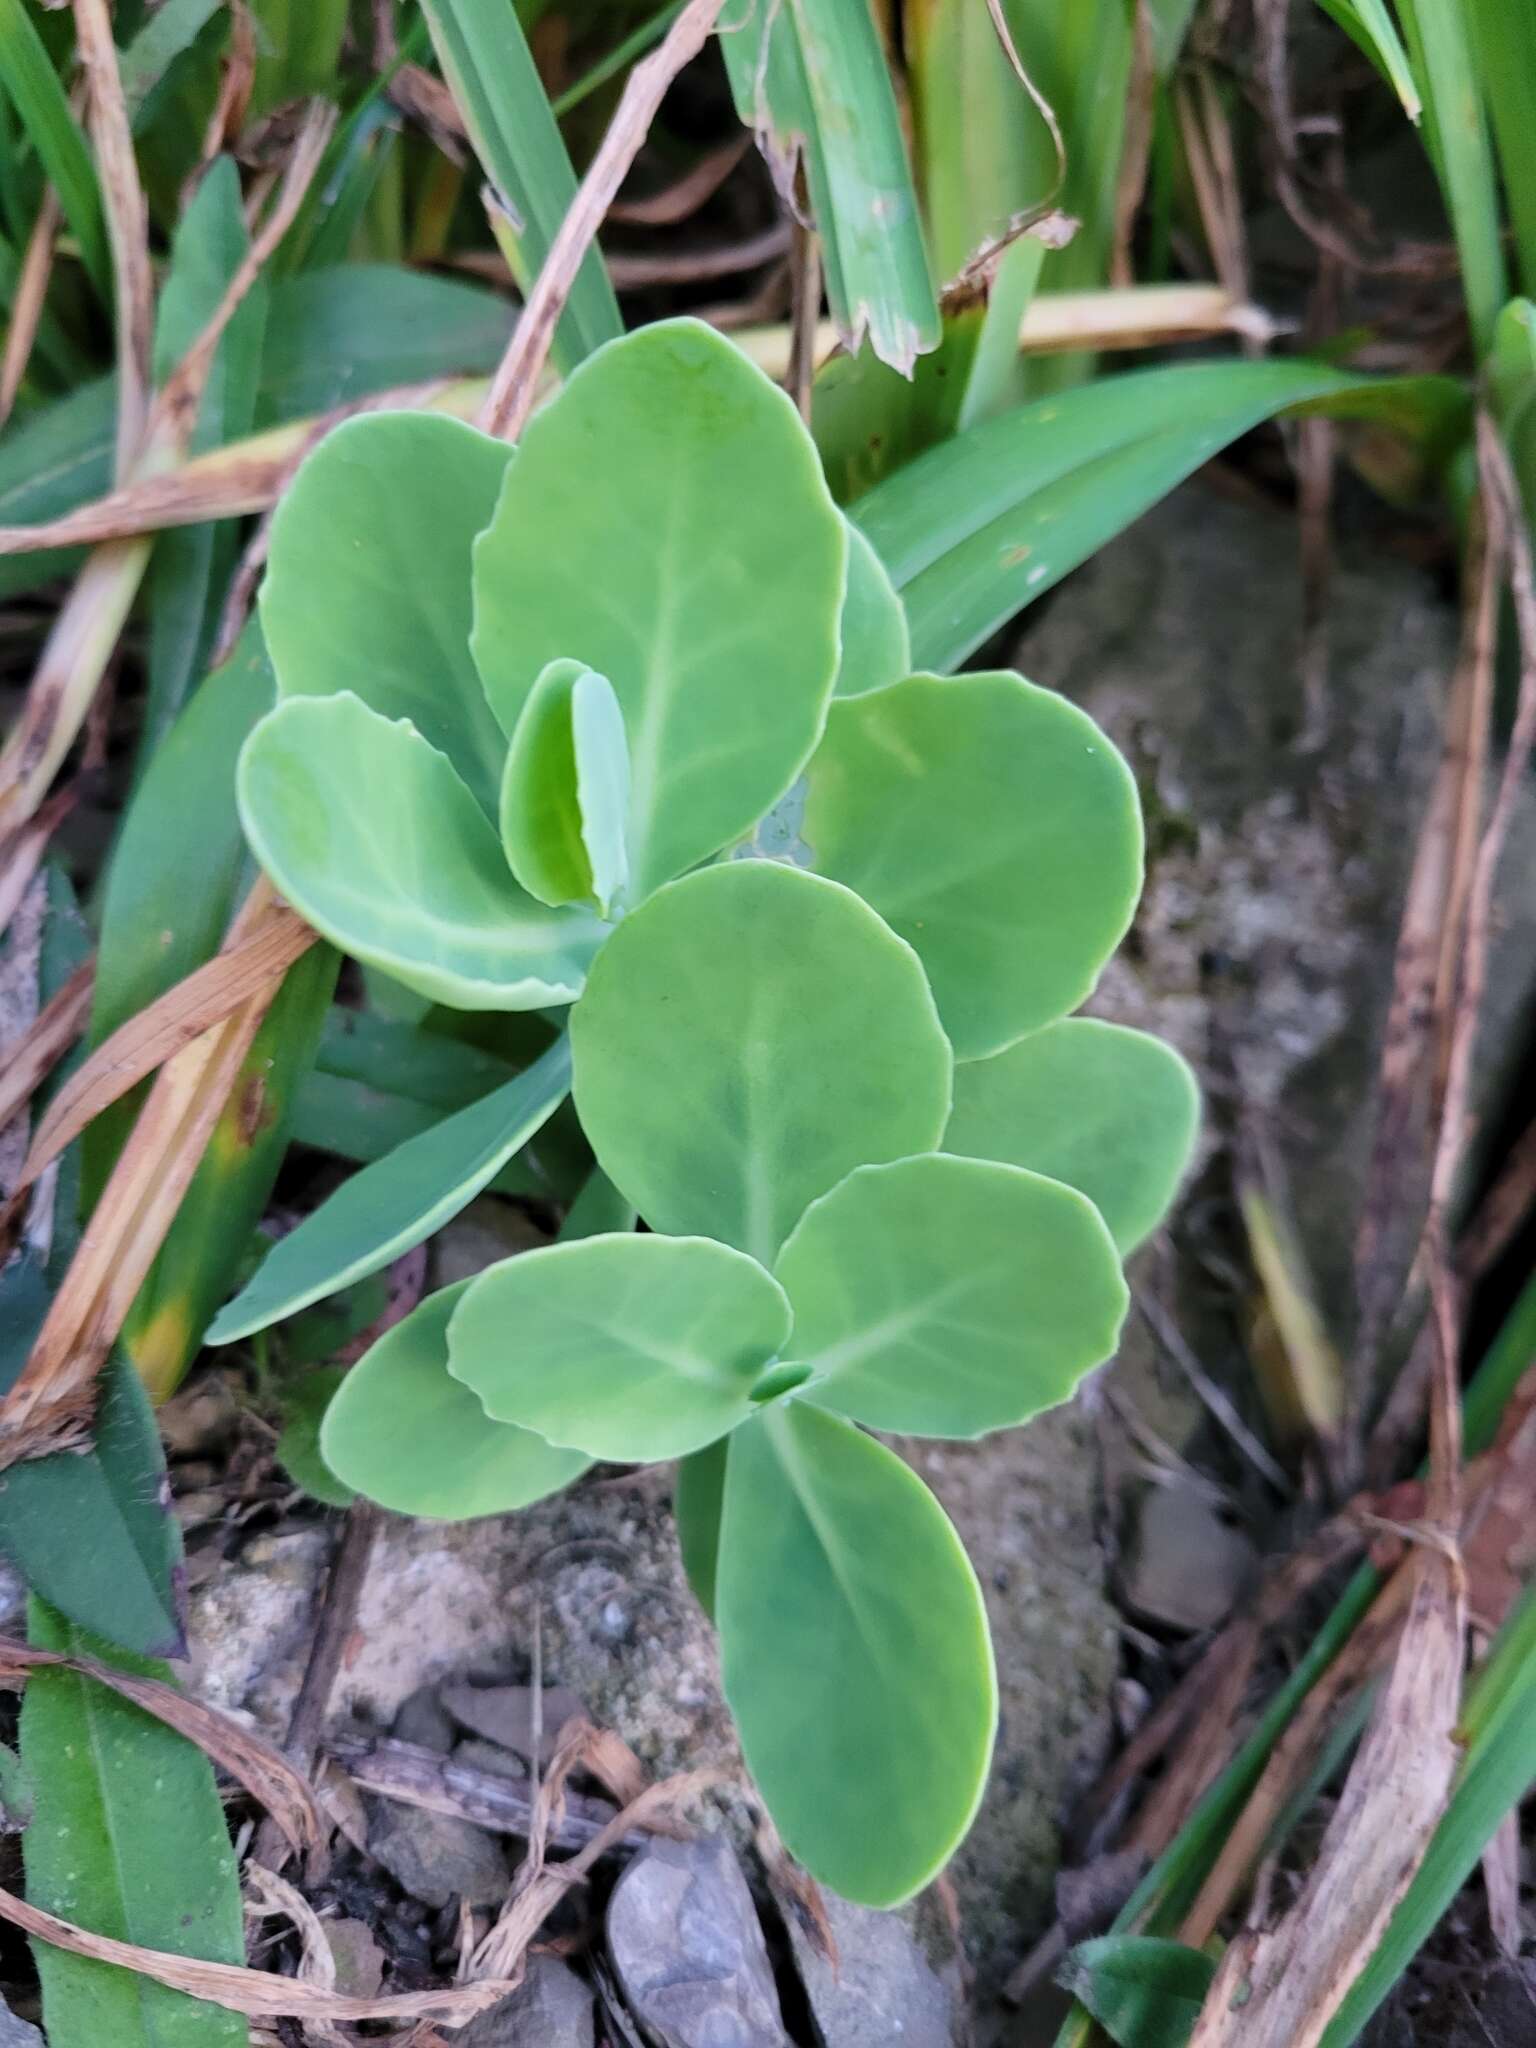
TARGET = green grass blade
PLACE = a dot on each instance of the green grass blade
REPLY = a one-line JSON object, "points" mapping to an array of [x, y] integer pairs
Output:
{"points": [[1505, 37], [1368, 24], [27, 74], [1456, 135], [981, 526], [127, 1839], [170, 30], [619, 58], [491, 74], [810, 77]]}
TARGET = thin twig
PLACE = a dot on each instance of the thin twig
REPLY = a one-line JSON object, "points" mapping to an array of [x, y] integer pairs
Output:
{"points": [[28, 300], [805, 279], [516, 381]]}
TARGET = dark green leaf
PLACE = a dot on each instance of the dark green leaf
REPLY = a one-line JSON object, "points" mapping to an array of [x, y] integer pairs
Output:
{"points": [[1143, 1993]]}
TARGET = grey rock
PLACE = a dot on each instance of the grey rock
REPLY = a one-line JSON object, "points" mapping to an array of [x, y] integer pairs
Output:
{"points": [[436, 1858], [884, 1990], [552, 2008], [424, 1720], [15, 2033], [504, 1714], [688, 1949], [1186, 1566]]}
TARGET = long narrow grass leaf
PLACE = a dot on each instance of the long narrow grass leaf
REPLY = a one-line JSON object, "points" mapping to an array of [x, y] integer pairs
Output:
{"points": [[491, 74], [29, 77]]}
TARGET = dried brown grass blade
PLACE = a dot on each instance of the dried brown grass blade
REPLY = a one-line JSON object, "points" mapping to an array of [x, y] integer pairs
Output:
{"points": [[21, 856], [256, 1993], [158, 1033], [27, 302], [52, 1033], [516, 381], [1436, 883], [248, 1757], [49, 1406], [127, 223]]}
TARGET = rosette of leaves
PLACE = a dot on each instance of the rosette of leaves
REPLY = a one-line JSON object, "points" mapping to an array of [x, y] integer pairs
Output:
{"points": [[543, 717]]}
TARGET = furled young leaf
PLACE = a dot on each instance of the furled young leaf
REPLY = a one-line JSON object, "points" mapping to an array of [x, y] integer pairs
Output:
{"points": [[876, 647], [948, 1297], [127, 1839], [407, 1434], [993, 826], [565, 790], [1111, 1111], [368, 830], [811, 77], [795, 1026], [665, 521], [698, 1495], [397, 1202], [629, 1348], [976, 529], [854, 1651], [367, 586], [1143, 1992]]}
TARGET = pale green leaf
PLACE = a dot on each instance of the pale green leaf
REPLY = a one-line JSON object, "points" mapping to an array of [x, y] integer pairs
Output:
{"points": [[948, 1297], [629, 1348], [810, 76], [854, 1651], [406, 1433], [398, 1201], [665, 521], [876, 647], [366, 828], [368, 579], [794, 1026], [565, 792], [996, 828], [1111, 1111]]}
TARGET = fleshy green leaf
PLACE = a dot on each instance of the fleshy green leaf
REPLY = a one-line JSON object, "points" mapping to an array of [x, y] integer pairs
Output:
{"points": [[398, 1201], [665, 521], [876, 646], [565, 790], [128, 1839], [796, 1028], [628, 1348], [1143, 1992], [1107, 1110], [368, 580], [366, 828], [406, 1433], [995, 828], [948, 1297], [698, 1496], [854, 1651]]}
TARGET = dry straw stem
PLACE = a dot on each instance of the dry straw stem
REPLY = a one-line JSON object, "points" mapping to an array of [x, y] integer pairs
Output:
{"points": [[1430, 934], [86, 631], [52, 1033], [127, 223], [49, 1406], [256, 1993], [516, 381], [246, 1756], [1280, 1988], [27, 303], [204, 998], [249, 475]]}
